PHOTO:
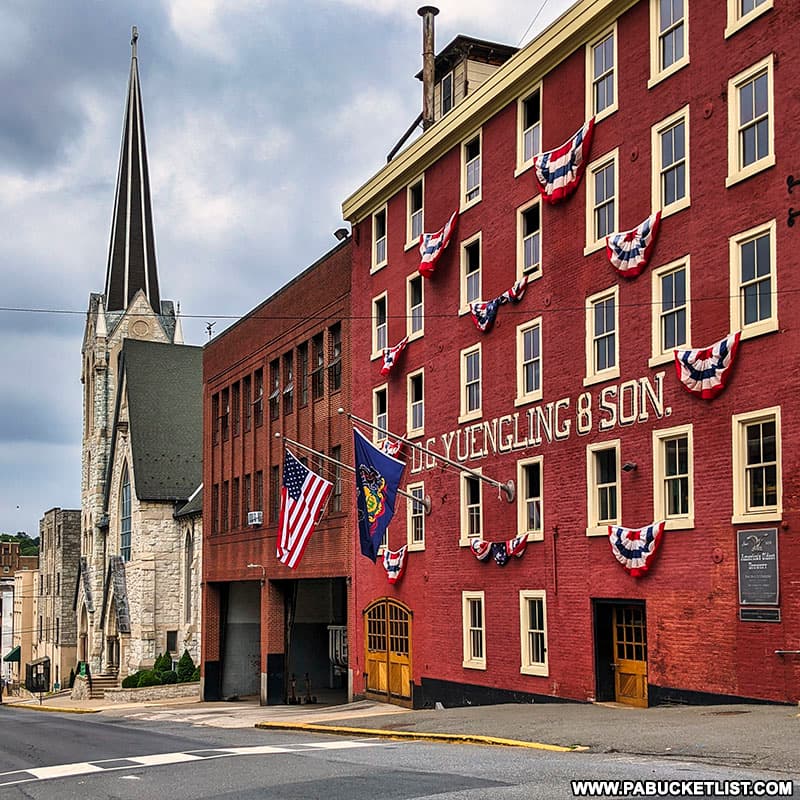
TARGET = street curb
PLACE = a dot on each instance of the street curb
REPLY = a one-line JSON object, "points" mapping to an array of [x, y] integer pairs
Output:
{"points": [[53, 708], [462, 738]]}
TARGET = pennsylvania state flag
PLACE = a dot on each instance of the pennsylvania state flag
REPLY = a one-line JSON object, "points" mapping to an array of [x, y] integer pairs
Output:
{"points": [[378, 478]]}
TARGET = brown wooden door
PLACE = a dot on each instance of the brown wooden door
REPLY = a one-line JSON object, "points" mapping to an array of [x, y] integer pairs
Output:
{"points": [[630, 655], [387, 632]]}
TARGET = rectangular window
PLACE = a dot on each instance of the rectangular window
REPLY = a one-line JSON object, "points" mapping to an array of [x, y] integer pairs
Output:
{"points": [[379, 239], [601, 75], [530, 503], [236, 407], [214, 419], [669, 37], [471, 171], [415, 221], [58, 584], [415, 308], [670, 168], [172, 641], [415, 515], [671, 318], [470, 272], [416, 404], [743, 12], [471, 508], [247, 408], [673, 477], [529, 361], [754, 291], [247, 505], [225, 500], [380, 326], [529, 129], [58, 631], [602, 342], [335, 363], [288, 383], [380, 411], [447, 93], [336, 469], [215, 508], [258, 398], [603, 483], [225, 414], [274, 493], [474, 630], [751, 122], [259, 491], [533, 632], [470, 383], [275, 389], [318, 366], [302, 370], [757, 483], [601, 201], [235, 505], [529, 240]]}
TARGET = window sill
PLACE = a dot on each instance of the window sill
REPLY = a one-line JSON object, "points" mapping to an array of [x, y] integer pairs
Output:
{"points": [[750, 170], [528, 398], [674, 208], [760, 328], [473, 665], [467, 204], [416, 548], [415, 434], [668, 72], [606, 112], [600, 377], [540, 672], [736, 25], [593, 247], [599, 530], [415, 335], [682, 524], [467, 542], [378, 267], [411, 245], [660, 360], [472, 415], [533, 536], [774, 515], [523, 168]]}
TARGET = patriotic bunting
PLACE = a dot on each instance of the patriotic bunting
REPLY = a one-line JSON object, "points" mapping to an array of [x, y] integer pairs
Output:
{"points": [[394, 562], [391, 354], [558, 172], [500, 551], [634, 547], [431, 245], [483, 314], [705, 371], [391, 447], [629, 251]]}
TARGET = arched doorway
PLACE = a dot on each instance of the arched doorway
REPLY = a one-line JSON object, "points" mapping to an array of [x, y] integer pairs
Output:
{"points": [[387, 639], [83, 636]]}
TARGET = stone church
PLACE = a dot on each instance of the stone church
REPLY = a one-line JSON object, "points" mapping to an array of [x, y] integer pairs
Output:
{"points": [[138, 580]]}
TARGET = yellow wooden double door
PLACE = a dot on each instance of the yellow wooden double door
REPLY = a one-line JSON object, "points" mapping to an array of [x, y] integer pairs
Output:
{"points": [[387, 634], [630, 655]]}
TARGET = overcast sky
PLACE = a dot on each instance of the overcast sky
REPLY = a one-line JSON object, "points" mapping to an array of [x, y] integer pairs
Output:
{"points": [[261, 116]]}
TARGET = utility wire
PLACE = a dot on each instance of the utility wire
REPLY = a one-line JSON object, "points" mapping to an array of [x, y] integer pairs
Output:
{"points": [[535, 17]]}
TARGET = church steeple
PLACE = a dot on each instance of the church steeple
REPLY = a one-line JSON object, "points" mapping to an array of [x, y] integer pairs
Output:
{"points": [[132, 250]]}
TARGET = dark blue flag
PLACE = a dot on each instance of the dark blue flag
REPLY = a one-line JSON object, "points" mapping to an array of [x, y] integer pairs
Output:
{"points": [[378, 477]]}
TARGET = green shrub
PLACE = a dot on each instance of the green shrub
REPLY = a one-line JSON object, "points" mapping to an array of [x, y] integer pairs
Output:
{"points": [[170, 676], [163, 663], [149, 677], [196, 674], [185, 668], [131, 681]]}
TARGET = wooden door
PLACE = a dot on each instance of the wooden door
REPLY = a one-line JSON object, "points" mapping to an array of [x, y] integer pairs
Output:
{"points": [[387, 632], [630, 655]]}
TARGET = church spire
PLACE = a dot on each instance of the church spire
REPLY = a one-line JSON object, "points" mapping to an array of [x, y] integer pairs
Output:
{"points": [[132, 250]]}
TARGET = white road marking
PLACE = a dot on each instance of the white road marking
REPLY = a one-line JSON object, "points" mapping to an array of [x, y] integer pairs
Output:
{"points": [[158, 759], [81, 768]]}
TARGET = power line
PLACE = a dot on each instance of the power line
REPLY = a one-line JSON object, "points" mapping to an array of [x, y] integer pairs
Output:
{"points": [[535, 17]]}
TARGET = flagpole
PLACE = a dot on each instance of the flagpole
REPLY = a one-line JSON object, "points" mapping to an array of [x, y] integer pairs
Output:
{"points": [[508, 487], [425, 502]]}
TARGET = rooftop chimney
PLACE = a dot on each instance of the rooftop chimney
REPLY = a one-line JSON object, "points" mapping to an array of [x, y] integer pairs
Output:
{"points": [[427, 13]]}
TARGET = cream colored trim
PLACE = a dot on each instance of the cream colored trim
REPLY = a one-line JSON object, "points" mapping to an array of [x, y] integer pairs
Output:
{"points": [[736, 23], [413, 241], [412, 545], [527, 666], [592, 242], [464, 204], [383, 388], [534, 274], [377, 352], [659, 354], [741, 514], [678, 522], [593, 524], [375, 264], [610, 109], [657, 195], [464, 302], [736, 172], [469, 661], [593, 376], [533, 534], [657, 74], [554, 45], [465, 415], [536, 394], [414, 432], [523, 165], [415, 276], [463, 538], [770, 324]]}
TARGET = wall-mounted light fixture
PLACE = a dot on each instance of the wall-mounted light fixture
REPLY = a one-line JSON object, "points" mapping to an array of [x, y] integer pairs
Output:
{"points": [[630, 466]]}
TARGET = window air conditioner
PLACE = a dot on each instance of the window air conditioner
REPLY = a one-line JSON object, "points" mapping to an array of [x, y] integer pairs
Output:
{"points": [[254, 517]]}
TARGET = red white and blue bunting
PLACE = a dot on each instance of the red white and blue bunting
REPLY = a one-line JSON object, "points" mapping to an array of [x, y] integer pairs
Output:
{"points": [[484, 313], [629, 251], [705, 371], [558, 172], [431, 245], [635, 547], [391, 354], [391, 447], [500, 551], [394, 562]]}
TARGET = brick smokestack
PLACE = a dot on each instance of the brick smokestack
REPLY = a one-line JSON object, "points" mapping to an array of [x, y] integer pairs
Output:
{"points": [[427, 13]]}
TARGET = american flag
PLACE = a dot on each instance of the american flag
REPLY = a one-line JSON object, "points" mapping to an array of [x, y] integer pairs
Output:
{"points": [[629, 251], [303, 498], [484, 313], [704, 371], [634, 547], [558, 172], [391, 354], [431, 245]]}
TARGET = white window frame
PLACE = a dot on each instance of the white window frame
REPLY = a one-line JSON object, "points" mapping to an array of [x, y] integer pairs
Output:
{"points": [[452, 77], [377, 350], [738, 173], [610, 109], [464, 538], [465, 204], [464, 306], [524, 397], [378, 437], [536, 273], [471, 661], [469, 414], [527, 665], [411, 515], [660, 438], [660, 355], [739, 423], [524, 164], [533, 534], [412, 334], [593, 243], [770, 324], [657, 73], [412, 431], [593, 526], [657, 195], [411, 240], [375, 263], [737, 21], [592, 375]]}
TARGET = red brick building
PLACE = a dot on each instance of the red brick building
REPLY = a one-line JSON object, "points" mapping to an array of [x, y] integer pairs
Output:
{"points": [[573, 393], [280, 369]]}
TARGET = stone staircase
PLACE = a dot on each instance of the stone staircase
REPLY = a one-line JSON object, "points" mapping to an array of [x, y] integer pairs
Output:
{"points": [[107, 680]]}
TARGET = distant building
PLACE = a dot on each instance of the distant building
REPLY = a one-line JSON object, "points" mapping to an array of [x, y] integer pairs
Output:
{"points": [[11, 562], [25, 587]]}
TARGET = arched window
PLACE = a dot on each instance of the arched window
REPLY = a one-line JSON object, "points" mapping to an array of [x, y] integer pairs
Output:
{"points": [[125, 516], [188, 557]]}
